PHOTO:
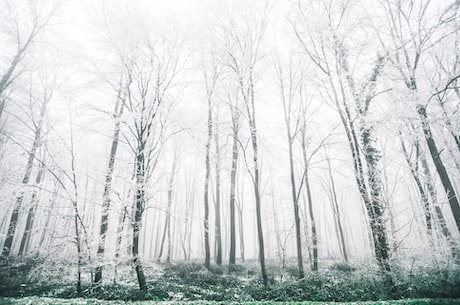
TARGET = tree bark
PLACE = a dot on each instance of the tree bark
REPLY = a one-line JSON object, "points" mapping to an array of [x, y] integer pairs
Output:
{"points": [[107, 190], [138, 211], [31, 214], [256, 178], [232, 197], [168, 212], [207, 250], [425, 202], [440, 168], [218, 233], [241, 229], [25, 181], [336, 210], [295, 202]]}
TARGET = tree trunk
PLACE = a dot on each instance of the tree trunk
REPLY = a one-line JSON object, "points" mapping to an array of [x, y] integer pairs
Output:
{"points": [[48, 216], [207, 251], [107, 190], [138, 211], [232, 197], [241, 230], [336, 210], [168, 212], [218, 233], [25, 181], [31, 214], [425, 202], [295, 202], [121, 224], [79, 254], [440, 168], [256, 183], [434, 200], [314, 236]]}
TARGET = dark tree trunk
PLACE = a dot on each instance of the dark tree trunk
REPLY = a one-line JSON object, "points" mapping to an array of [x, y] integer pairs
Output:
{"points": [[314, 236], [440, 168], [256, 182], [434, 200], [107, 190], [295, 202], [218, 233], [375, 210], [138, 212], [79, 254]]}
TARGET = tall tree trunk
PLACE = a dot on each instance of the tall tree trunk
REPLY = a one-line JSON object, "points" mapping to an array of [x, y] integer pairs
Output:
{"points": [[31, 214], [168, 212], [425, 202], [79, 253], [25, 181], [119, 238], [256, 183], [440, 168], [336, 210], [251, 112], [241, 229], [163, 236], [207, 250], [232, 196], [49, 211], [218, 233], [107, 190], [279, 243], [138, 211], [295, 202], [375, 210], [314, 235], [437, 209]]}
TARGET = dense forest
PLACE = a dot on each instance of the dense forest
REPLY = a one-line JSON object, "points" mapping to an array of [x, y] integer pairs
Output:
{"points": [[230, 150]]}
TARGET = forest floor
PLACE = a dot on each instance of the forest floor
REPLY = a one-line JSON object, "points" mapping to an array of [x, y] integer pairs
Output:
{"points": [[80, 301], [415, 282]]}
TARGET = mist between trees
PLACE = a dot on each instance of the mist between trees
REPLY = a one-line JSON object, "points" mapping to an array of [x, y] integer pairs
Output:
{"points": [[143, 134]]}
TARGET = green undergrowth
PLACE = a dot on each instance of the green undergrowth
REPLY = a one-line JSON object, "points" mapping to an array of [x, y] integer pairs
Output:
{"points": [[80, 301], [191, 282]]}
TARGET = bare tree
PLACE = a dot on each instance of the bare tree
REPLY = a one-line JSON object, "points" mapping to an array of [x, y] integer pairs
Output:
{"points": [[167, 226], [290, 85], [151, 71], [410, 36], [34, 201], [38, 127], [218, 229], [331, 191], [241, 54], [21, 36], [210, 78], [106, 201], [330, 54], [235, 127]]}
